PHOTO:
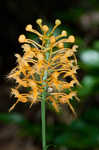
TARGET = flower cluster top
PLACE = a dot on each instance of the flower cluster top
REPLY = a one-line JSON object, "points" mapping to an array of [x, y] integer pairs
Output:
{"points": [[47, 63]]}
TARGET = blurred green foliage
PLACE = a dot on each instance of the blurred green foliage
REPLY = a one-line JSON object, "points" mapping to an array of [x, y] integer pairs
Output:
{"points": [[82, 133]]}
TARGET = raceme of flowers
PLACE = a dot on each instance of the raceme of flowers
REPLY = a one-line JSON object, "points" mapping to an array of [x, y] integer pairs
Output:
{"points": [[45, 65]]}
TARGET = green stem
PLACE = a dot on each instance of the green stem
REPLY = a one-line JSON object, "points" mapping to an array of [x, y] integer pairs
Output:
{"points": [[43, 102], [43, 121], [43, 110]]}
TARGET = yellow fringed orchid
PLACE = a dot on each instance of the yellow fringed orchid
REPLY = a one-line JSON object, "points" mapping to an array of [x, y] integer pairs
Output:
{"points": [[47, 64]]}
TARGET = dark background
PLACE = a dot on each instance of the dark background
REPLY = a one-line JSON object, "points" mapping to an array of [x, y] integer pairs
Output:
{"points": [[21, 129]]}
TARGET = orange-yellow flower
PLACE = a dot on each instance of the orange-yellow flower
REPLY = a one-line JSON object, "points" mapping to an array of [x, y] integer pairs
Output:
{"points": [[49, 64]]}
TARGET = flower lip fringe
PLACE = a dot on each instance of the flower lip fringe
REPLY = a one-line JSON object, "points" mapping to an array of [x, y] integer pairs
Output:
{"points": [[49, 65]]}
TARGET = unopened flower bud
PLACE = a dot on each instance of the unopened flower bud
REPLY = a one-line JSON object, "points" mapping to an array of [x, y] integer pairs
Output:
{"points": [[28, 27], [57, 22], [39, 21], [45, 28], [22, 38]]}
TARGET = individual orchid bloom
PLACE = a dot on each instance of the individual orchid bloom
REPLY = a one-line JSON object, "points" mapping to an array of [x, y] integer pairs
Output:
{"points": [[46, 66]]}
